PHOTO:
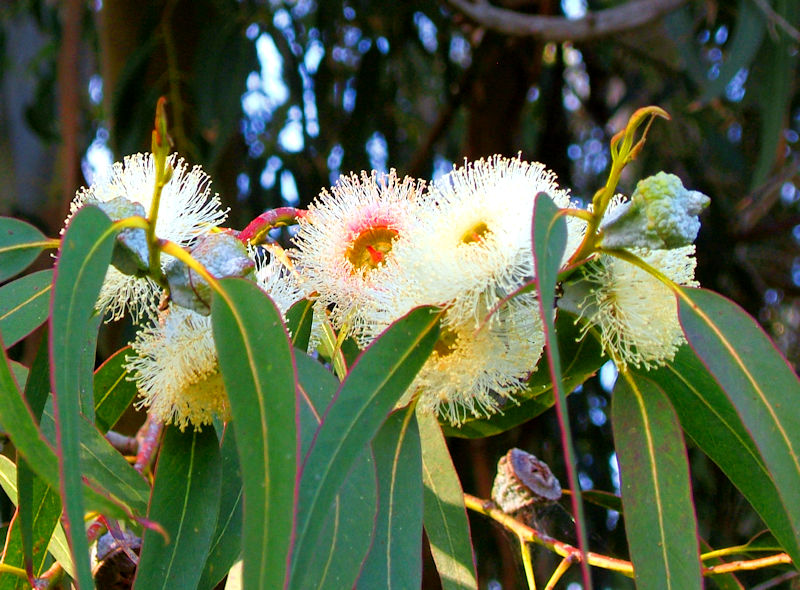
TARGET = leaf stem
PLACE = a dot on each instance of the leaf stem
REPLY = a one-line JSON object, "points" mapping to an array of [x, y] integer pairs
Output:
{"points": [[525, 551], [559, 572]]}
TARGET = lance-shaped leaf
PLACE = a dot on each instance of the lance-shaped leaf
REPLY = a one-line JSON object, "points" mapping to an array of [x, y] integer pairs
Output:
{"points": [[445, 516], [20, 244], [113, 392], [298, 320], [24, 305], [185, 503], [759, 383], [711, 421], [58, 546], [257, 364], [376, 381], [659, 515], [395, 558], [19, 424], [226, 544], [549, 239], [347, 533], [82, 264]]}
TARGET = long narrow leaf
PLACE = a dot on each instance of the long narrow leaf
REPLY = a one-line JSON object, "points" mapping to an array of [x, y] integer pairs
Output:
{"points": [[346, 536], [375, 383], [394, 561], [659, 515], [20, 244], [185, 503], [82, 264], [711, 421], [226, 544], [24, 305], [258, 369], [549, 239], [445, 516], [113, 392], [759, 383]]}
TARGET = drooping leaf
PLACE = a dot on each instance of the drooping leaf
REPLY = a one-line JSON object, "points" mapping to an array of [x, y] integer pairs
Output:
{"points": [[226, 543], [549, 239], [445, 516], [659, 515], [113, 393], [298, 321], [83, 260], [20, 244], [711, 421], [58, 547], [24, 305], [42, 507], [347, 533], [395, 558], [185, 502], [758, 382], [257, 365], [376, 381]]}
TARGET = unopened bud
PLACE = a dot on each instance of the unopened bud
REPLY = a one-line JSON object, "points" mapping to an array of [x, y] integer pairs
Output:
{"points": [[661, 214], [130, 255]]}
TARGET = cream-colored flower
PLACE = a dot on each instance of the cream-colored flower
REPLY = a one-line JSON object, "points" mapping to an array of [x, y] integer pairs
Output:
{"points": [[475, 373], [345, 243], [474, 247], [637, 314], [186, 210], [176, 370], [277, 279]]}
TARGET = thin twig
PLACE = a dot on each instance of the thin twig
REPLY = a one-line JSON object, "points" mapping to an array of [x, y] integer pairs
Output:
{"points": [[778, 20], [559, 572], [593, 25]]}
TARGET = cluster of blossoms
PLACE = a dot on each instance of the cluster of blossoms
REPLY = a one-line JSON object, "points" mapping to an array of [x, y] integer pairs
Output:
{"points": [[374, 247]]}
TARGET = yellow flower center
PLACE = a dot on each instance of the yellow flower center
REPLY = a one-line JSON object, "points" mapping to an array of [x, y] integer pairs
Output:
{"points": [[370, 247], [475, 233], [446, 344]]}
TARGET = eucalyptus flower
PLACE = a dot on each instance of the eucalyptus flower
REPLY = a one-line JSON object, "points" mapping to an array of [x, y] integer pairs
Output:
{"points": [[187, 209]]}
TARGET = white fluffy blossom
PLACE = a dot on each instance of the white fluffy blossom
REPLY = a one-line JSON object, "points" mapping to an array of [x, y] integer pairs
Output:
{"points": [[186, 209]]}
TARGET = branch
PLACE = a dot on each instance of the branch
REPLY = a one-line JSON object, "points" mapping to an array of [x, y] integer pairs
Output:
{"points": [[594, 25]]}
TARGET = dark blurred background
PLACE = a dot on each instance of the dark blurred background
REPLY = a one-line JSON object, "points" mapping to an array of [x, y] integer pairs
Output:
{"points": [[276, 99]]}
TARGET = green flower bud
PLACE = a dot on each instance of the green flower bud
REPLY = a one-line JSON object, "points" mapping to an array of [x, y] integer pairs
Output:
{"points": [[223, 255], [661, 214], [130, 250]]}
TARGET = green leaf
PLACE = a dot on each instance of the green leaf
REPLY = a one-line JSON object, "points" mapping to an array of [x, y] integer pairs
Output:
{"points": [[58, 547], [759, 383], [81, 267], [604, 499], [298, 321], [376, 381], [42, 509], [586, 356], [226, 544], [549, 242], [113, 392], [185, 502], [445, 516], [20, 244], [24, 305], [347, 533], [656, 495], [104, 465], [711, 421], [395, 558], [346, 536], [257, 364]]}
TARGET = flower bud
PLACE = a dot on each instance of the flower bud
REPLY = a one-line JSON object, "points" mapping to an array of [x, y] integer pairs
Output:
{"points": [[130, 255], [661, 214], [223, 255]]}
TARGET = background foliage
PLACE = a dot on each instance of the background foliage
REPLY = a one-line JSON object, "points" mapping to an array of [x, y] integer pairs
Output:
{"points": [[275, 99]]}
